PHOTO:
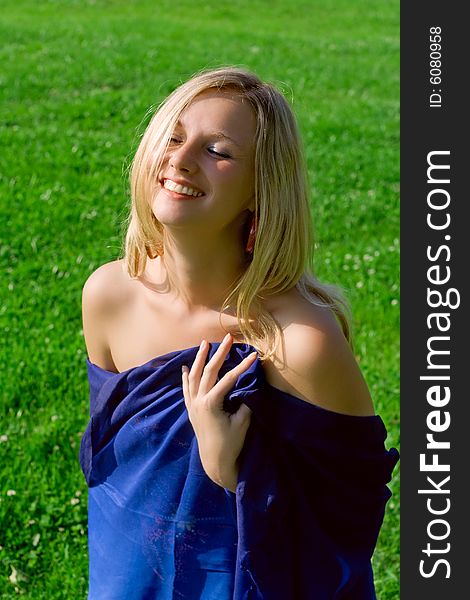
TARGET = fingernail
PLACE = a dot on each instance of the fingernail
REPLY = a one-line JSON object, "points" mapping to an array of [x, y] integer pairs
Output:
{"points": [[227, 337], [203, 344], [253, 354]]}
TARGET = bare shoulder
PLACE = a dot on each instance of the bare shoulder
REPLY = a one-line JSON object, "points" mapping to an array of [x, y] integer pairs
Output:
{"points": [[314, 361], [106, 284], [104, 292]]}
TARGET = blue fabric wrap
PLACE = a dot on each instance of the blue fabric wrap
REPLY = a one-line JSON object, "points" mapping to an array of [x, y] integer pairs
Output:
{"points": [[303, 522]]}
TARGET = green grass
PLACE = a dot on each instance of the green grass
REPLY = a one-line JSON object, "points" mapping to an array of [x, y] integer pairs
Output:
{"points": [[77, 79]]}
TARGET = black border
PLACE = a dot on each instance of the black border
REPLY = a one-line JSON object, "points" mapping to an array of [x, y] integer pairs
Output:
{"points": [[425, 129]]}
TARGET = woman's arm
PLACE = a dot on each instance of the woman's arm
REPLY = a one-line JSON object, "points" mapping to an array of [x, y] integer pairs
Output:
{"points": [[98, 300]]}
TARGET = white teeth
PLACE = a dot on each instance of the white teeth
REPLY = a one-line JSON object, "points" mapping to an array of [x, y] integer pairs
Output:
{"points": [[180, 189]]}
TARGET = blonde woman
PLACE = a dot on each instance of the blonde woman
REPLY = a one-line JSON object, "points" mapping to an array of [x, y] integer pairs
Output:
{"points": [[232, 450]]}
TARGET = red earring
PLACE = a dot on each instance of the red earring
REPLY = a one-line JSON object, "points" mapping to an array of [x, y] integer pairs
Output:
{"points": [[250, 244]]}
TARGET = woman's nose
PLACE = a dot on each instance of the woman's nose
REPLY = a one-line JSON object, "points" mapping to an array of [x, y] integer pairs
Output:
{"points": [[182, 159]]}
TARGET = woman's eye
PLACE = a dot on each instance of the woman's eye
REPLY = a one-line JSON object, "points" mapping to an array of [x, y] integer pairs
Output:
{"points": [[212, 150]]}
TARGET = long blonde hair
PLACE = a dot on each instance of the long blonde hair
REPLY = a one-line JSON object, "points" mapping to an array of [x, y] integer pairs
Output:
{"points": [[283, 251]]}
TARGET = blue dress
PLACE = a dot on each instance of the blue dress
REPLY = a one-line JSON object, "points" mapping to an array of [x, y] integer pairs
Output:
{"points": [[302, 524]]}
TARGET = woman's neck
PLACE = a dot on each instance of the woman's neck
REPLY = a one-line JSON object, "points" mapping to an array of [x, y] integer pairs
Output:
{"points": [[196, 273]]}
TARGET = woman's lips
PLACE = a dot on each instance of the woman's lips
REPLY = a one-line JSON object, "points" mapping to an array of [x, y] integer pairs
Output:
{"points": [[178, 196], [181, 190]]}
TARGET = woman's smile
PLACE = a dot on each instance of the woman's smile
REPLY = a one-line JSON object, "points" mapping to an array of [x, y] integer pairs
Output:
{"points": [[180, 189]]}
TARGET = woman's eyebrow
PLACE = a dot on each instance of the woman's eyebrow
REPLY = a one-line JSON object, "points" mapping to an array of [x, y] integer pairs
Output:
{"points": [[216, 134], [224, 136]]}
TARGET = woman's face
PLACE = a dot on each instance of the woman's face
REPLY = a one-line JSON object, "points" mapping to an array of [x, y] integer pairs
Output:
{"points": [[207, 176]]}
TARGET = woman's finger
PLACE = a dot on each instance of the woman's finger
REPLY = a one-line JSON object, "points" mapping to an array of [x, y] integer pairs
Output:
{"points": [[197, 368], [226, 383], [242, 417], [211, 370], [184, 378]]}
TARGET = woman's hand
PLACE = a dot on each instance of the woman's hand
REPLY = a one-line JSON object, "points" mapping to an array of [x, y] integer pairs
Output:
{"points": [[220, 435]]}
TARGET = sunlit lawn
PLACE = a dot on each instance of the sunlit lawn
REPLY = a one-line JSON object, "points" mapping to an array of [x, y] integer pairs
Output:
{"points": [[77, 80]]}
